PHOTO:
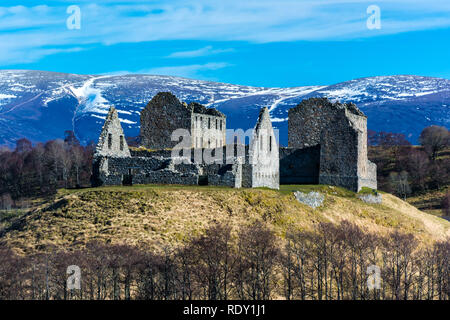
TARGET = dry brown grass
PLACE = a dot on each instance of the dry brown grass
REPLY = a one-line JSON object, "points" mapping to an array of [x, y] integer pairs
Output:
{"points": [[169, 215], [430, 202]]}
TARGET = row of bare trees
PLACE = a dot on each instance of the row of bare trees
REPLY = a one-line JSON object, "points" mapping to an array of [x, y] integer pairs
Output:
{"points": [[40, 169], [404, 169], [413, 171], [329, 263], [333, 264]]}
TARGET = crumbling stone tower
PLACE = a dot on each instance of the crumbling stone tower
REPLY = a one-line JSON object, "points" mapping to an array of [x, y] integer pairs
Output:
{"points": [[165, 113], [111, 145], [340, 131], [112, 140], [262, 166]]}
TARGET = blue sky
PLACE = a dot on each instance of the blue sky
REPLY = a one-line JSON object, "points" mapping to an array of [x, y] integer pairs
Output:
{"points": [[262, 43]]}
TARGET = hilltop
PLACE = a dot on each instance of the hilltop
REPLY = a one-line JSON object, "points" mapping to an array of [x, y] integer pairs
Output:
{"points": [[162, 216]]}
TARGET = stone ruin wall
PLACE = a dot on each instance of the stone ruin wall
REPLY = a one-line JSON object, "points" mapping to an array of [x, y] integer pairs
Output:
{"points": [[327, 142], [161, 170], [158, 166], [160, 118], [264, 154], [341, 132], [116, 171], [165, 113], [112, 140], [208, 131]]}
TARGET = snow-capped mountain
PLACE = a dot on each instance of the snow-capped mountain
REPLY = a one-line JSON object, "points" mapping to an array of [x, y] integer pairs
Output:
{"points": [[42, 105]]}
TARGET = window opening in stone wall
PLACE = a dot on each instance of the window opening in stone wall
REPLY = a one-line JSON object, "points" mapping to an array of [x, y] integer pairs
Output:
{"points": [[209, 123], [109, 140], [220, 124], [270, 144], [216, 124], [121, 143]]}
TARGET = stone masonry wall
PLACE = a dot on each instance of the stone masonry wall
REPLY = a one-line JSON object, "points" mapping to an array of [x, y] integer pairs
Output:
{"points": [[264, 154], [165, 113], [208, 127], [327, 145], [341, 132], [160, 118], [161, 170], [138, 170], [112, 140]]}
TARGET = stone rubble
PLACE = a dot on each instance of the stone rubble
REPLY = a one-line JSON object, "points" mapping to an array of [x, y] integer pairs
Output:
{"points": [[313, 199], [371, 198]]}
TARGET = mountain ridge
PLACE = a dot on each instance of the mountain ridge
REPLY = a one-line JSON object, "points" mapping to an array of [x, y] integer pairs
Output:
{"points": [[41, 105]]}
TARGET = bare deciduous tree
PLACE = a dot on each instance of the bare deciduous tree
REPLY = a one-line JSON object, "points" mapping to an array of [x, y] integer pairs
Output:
{"points": [[400, 184], [434, 139], [257, 253]]}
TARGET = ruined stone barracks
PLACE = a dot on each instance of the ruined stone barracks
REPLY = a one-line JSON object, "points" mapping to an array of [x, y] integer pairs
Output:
{"points": [[327, 145], [115, 164], [165, 113]]}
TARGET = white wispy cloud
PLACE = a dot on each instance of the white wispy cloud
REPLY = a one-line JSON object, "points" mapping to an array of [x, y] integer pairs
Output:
{"points": [[29, 33], [202, 52], [186, 71]]}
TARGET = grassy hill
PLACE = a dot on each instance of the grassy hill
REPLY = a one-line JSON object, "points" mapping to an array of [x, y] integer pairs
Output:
{"points": [[169, 215]]}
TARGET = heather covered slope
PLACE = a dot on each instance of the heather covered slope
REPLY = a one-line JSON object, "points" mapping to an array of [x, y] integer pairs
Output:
{"points": [[169, 215]]}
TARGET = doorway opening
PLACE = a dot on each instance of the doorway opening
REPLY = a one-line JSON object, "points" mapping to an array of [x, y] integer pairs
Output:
{"points": [[203, 180], [128, 178]]}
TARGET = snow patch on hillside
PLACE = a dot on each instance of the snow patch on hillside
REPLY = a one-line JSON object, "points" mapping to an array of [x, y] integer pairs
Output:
{"points": [[7, 96], [90, 98]]}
